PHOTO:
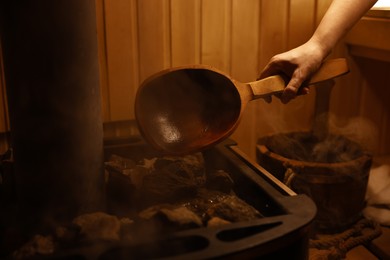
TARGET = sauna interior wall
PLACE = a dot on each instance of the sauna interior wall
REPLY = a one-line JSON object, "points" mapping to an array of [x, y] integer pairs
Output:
{"points": [[140, 37]]}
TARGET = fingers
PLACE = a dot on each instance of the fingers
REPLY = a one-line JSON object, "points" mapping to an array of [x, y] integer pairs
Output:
{"points": [[295, 71], [293, 88], [277, 65], [270, 70], [288, 94]]}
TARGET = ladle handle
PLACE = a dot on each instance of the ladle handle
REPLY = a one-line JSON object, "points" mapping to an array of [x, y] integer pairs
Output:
{"points": [[275, 84]]}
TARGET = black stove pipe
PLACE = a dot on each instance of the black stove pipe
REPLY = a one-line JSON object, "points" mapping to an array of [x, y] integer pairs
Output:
{"points": [[52, 80]]}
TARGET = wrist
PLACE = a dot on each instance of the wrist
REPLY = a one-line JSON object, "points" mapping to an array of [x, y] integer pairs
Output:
{"points": [[320, 47]]}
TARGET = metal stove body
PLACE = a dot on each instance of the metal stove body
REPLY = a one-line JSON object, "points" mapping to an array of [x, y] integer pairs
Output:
{"points": [[282, 232]]}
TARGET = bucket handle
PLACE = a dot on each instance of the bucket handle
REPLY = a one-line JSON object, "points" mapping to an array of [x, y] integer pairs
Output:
{"points": [[289, 175]]}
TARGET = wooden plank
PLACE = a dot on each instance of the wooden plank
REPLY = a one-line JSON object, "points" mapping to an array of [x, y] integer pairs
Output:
{"points": [[216, 34], [371, 32], [297, 114], [103, 73], [371, 109], [154, 36], [374, 101], [367, 52], [365, 89], [122, 57], [272, 40], [346, 95], [273, 30], [367, 38], [302, 19], [185, 32], [244, 64], [245, 39], [301, 22], [347, 100]]}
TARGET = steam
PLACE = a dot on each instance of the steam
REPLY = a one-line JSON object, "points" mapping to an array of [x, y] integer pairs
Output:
{"points": [[358, 129], [334, 139], [332, 132]]}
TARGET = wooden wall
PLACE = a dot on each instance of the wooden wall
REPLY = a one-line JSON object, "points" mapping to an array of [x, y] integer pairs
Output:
{"points": [[140, 37], [369, 48], [238, 37]]}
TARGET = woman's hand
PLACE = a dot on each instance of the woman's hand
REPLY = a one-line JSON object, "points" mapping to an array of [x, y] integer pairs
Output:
{"points": [[296, 65], [300, 63]]}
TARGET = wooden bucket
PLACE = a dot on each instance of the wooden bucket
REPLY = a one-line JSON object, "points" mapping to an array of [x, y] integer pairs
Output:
{"points": [[332, 171]]}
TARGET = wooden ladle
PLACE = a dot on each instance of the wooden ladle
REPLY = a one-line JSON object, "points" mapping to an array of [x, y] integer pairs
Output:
{"points": [[187, 109]]}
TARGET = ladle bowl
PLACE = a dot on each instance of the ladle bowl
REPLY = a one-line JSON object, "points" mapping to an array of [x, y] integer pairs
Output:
{"points": [[188, 109]]}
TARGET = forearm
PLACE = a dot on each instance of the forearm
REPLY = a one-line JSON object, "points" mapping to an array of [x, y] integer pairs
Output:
{"points": [[301, 62], [337, 21]]}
